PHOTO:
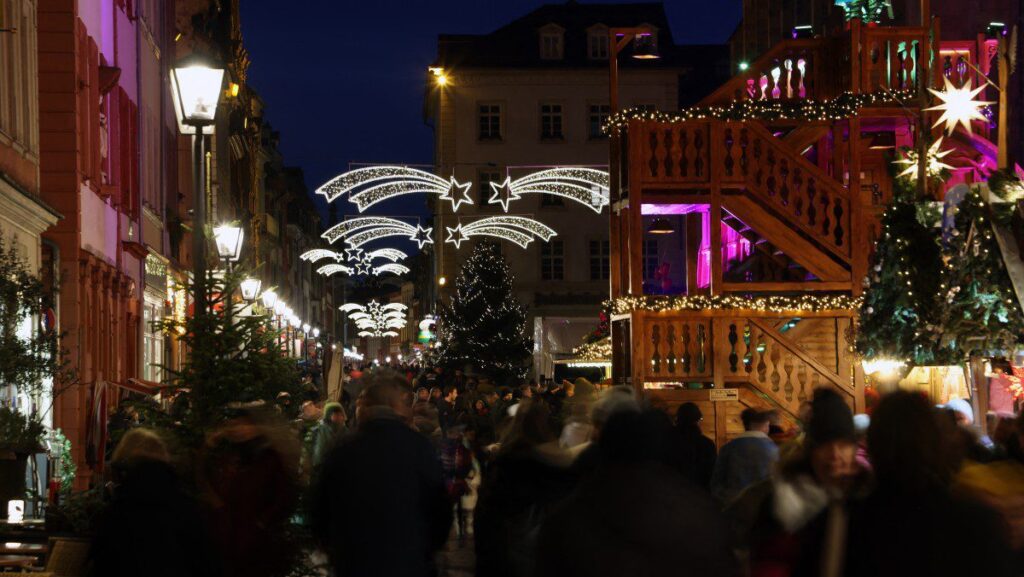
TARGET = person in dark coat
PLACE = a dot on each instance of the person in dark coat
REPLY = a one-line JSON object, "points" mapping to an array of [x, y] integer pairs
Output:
{"points": [[635, 514], [905, 525], [379, 507], [151, 526], [529, 476], [695, 453]]}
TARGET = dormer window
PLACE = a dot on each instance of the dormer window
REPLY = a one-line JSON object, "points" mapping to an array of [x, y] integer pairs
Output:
{"points": [[552, 42], [597, 43]]}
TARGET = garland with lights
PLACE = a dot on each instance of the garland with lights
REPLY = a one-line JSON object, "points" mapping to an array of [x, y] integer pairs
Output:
{"points": [[762, 304], [484, 325], [594, 352], [841, 107]]}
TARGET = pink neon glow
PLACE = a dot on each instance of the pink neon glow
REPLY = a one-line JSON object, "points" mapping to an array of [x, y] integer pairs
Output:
{"points": [[734, 247]]}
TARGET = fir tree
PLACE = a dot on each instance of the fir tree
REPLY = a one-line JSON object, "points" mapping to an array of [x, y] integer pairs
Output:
{"points": [[231, 361], [484, 325], [902, 286]]}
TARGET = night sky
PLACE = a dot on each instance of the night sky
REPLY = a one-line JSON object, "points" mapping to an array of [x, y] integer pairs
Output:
{"points": [[343, 79]]}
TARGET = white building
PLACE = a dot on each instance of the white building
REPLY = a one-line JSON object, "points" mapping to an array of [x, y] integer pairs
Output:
{"points": [[531, 95]]}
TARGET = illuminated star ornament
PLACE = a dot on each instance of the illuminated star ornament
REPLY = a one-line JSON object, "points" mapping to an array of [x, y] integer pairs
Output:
{"points": [[353, 254], [363, 229], [934, 165], [959, 106], [332, 269], [375, 319], [368, 186], [321, 253], [586, 186], [517, 229]]}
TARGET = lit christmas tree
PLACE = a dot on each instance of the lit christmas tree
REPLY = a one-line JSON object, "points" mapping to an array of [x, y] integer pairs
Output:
{"points": [[484, 325]]}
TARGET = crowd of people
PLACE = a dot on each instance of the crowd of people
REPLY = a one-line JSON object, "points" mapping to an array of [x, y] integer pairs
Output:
{"points": [[565, 479]]}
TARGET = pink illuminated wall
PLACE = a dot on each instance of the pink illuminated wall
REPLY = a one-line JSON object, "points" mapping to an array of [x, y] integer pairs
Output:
{"points": [[735, 248]]}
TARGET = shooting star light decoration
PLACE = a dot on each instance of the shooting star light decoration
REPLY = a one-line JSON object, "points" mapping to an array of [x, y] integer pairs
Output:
{"points": [[368, 186], [586, 186], [331, 269], [361, 230], [318, 254], [375, 319], [517, 229]]}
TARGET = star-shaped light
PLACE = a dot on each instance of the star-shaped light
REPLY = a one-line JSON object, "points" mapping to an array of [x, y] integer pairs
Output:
{"points": [[456, 236], [363, 268], [353, 254], [934, 165], [958, 106], [457, 194], [422, 236], [503, 193]]}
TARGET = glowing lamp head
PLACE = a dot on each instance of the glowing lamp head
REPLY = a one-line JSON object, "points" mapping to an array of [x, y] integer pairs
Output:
{"points": [[316, 332], [440, 76], [196, 84], [442, 281], [305, 327], [229, 242], [744, 66], [280, 307], [882, 368], [251, 288], [269, 299], [295, 321], [645, 47], [661, 226]]}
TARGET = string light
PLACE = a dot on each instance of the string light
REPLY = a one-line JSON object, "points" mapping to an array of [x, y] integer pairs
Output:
{"points": [[368, 186], [780, 304], [393, 268], [517, 229], [361, 230], [586, 186], [959, 106], [321, 253], [841, 107], [376, 320], [331, 269], [934, 164]]}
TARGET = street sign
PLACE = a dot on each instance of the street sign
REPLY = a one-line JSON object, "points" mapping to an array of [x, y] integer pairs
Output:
{"points": [[724, 395]]}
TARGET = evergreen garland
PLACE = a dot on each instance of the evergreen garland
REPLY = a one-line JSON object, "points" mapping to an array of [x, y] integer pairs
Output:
{"points": [[484, 325]]}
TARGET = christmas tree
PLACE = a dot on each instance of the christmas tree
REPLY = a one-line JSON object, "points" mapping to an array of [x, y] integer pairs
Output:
{"points": [[484, 325], [902, 287]]}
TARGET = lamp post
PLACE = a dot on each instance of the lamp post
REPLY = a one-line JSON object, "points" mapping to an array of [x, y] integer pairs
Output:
{"points": [[279, 307], [195, 89], [229, 248]]}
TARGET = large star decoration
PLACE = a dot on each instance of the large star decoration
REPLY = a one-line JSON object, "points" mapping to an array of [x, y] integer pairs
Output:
{"points": [[456, 236], [362, 268], [422, 236], [959, 106], [934, 165], [457, 194], [503, 193], [353, 254]]}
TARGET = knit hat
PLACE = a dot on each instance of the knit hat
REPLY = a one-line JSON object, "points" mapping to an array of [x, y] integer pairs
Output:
{"points": [[963, 407], [831, 419], [331, 408]]}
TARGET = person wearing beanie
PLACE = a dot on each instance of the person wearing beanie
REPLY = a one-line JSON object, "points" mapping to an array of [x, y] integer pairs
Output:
{"points": [[325, 433], [814, 481], [745, 460]]}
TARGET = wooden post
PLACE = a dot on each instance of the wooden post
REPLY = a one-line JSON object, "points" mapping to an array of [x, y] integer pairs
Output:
{"points": [[859, 248]]}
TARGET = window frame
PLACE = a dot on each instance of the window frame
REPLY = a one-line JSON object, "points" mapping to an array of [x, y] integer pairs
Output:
{"points": [[601, 260], [496, 109], [607, 112], [552, 262], [552, 118], [598, 38], [556, 36]]}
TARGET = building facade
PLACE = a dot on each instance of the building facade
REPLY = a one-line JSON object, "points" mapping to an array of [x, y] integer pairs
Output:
{"points": [[24, 216], [534, 94]]}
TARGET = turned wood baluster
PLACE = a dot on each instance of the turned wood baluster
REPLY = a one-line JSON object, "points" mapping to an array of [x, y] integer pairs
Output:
{"points": [[787, 367], [699, 151], [702, 348], [838, 233], [671, 359], [776, 73], [733, 357], [776, 365], [784, 180], [656, 341], [670, 150], [687, 357], [801, 66], [772, 181], [801, 193], [727, 140], [749, 348], [744, 143], [652, 161], [684, 146], [788, 64]]}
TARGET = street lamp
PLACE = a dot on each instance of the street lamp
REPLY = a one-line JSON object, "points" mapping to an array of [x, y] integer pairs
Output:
{"points": [[195, 89], [316, 332], [229, 242], [269, 298], [251, 288], [305, 327]]}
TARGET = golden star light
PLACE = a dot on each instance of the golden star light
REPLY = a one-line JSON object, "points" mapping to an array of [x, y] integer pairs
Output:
{"points": [[935, 166], [959, 106]]}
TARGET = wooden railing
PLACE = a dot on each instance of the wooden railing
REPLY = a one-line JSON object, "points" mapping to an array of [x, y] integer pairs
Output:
{"points": [[744, 155], [790, 70], [779, 357], [892, 58]]}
